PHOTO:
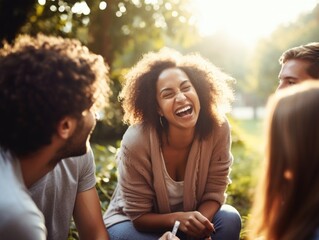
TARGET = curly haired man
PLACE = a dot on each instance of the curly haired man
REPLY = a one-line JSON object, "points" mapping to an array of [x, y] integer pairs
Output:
{"points": [[50, 88]]}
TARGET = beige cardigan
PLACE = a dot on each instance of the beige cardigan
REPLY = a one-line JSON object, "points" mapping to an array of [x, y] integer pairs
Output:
{"points": [[141, 187]]}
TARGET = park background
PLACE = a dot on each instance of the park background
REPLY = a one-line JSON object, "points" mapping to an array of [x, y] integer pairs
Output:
{"points": [[244, 38]]}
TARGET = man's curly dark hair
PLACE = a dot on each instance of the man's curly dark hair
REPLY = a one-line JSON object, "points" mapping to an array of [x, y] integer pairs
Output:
{"points": [[42, 80], [213, 88]]}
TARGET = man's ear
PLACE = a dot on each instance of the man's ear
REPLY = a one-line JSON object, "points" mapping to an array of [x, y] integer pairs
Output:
{"points": [[66, 127]]}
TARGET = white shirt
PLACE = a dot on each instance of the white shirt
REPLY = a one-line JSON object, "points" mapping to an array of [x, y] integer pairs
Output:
{"points": [[175, 190]]}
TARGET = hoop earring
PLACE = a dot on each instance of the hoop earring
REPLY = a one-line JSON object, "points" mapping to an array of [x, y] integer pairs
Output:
{"points": [[161, 122]]}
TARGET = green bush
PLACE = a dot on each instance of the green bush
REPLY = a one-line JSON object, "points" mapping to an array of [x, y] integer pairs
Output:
{"points": [[106, 177], [247, 148], [106, 172]]}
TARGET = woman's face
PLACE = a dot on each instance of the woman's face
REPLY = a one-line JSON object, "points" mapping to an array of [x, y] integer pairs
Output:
{"points": [[177, 99]]}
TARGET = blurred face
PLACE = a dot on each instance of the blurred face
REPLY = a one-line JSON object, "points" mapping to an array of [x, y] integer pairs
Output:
{"points": [[292, 72], [177, 99], [78, 143]]}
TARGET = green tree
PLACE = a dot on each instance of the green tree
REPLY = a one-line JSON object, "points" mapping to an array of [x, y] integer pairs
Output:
{"points": [[116, 28], [119, 30], [265, 66], [125, 29]]}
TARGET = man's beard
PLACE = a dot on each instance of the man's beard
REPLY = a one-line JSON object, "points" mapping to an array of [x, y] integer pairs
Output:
{"points": [[76, 145]]}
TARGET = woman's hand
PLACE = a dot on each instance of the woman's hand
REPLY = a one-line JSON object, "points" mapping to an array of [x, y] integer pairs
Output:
{"points": [[195, 224], [168, 236]]}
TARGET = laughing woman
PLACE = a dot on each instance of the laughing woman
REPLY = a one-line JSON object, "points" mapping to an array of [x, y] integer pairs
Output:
{"points": [[175, 159]]}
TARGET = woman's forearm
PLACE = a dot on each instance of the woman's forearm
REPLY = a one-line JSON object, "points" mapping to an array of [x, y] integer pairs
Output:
{"points": [[153, 222], [209, 209]]}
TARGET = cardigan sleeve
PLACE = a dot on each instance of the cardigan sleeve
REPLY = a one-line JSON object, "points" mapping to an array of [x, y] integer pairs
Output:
{"points": [[219, 167], [135, 176]]}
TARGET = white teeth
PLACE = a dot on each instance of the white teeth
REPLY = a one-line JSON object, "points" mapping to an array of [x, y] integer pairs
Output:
{"points": [[183, 109]]}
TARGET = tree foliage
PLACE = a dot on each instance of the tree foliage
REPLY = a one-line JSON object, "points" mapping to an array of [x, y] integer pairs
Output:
{"points": [[264, 67], [119, 30], [116, 28], [129, 28]]}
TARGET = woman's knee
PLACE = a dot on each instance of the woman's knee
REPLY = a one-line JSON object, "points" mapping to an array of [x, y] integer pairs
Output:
{"points": [[228, 215], [126, 230]]}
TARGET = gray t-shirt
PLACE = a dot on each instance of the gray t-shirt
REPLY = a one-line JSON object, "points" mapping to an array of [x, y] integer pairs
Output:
{"points": [[19, 216], [55, 193]]}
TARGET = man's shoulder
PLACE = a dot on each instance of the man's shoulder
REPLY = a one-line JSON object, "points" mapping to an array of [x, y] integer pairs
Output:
{"points": [[71, 162], [68, 168], [15, 203], [13, 214], [72, 173]]}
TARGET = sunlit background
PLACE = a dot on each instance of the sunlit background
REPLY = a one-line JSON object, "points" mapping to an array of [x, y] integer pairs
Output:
{"points": [[248, 20], [244, 38]]}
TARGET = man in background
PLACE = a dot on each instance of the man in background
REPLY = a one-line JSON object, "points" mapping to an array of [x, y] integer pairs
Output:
{"points": [[299, 64]]}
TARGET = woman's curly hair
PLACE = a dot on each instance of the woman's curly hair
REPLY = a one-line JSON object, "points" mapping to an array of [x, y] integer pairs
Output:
{"points": [[42, 80], [213, 87]]}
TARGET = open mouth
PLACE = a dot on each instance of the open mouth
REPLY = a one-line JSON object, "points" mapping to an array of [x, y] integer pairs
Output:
{"points": [[184, 111]]}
